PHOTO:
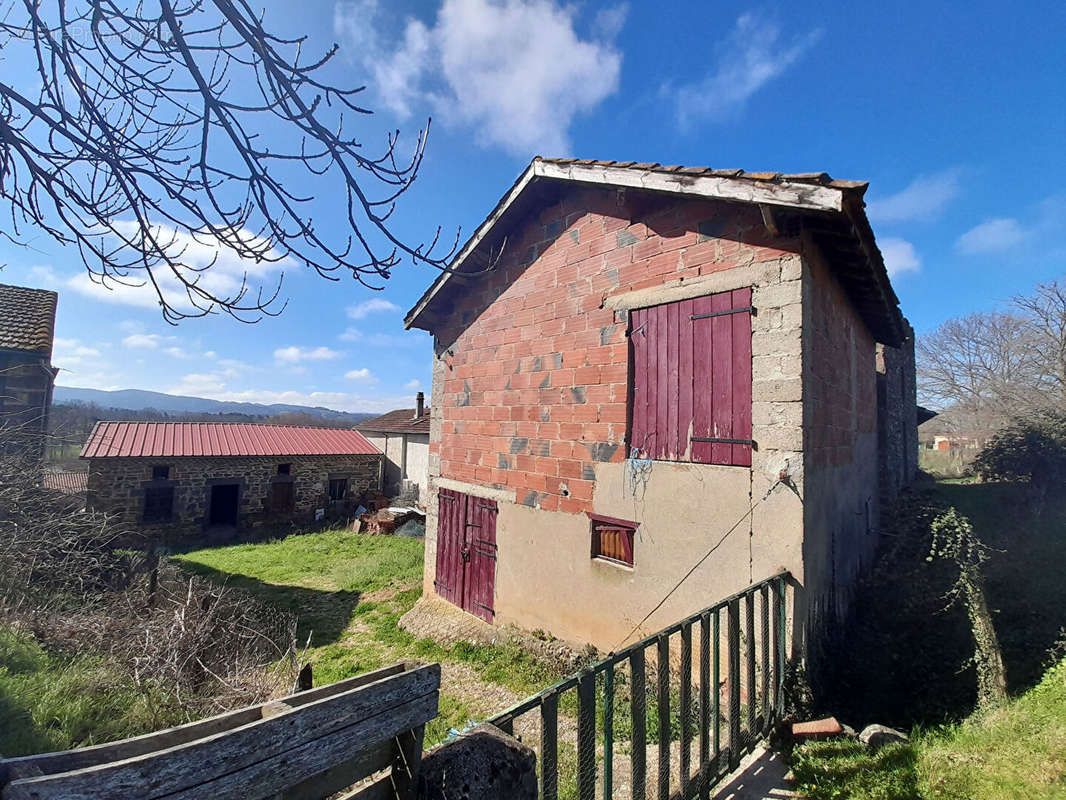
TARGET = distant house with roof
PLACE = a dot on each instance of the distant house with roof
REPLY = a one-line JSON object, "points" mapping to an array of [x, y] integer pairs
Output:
{"points": [[403, 437], [655, 385], [27, 329], [187, 479]]}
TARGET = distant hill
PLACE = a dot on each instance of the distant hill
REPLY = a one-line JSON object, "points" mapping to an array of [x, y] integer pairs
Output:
{"points": [[140, 400]]}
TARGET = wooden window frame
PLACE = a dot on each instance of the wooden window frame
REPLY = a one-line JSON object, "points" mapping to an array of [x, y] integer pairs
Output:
{"points": [[329, 488], [598, 525], [161, 472], [285, 469]]}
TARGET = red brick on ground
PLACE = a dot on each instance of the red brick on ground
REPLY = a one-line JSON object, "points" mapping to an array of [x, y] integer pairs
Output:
{"points": [[817, 729]]}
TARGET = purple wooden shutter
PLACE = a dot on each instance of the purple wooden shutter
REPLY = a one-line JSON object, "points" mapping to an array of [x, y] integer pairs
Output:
{"points": [[692, 379]]}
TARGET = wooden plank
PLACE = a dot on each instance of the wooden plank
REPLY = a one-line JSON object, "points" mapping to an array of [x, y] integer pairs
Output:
{"points": [[722, 378], [638, 754], [684, 373], [702, 358], [359, 718], [408, 761], [652, 442], [741, 380], [84, 757], [381, 789], [638, 342], [341, 776], [673, 335], [662, 381]]}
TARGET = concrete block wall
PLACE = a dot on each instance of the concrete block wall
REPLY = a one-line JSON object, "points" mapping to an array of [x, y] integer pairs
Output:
{"points": [[117, 485]]}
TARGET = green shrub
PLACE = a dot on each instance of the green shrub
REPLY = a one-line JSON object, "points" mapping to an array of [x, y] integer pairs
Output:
{"points": [[1032, 449]]}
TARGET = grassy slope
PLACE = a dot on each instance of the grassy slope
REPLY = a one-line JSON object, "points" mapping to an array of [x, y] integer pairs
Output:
{"points": [[350, 590], [1016, 751]]}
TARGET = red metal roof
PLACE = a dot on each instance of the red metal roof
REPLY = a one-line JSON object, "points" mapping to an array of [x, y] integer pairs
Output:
{"points": [[181, 439]]}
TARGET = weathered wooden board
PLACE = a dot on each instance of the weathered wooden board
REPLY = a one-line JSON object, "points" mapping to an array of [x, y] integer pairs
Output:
{"points": [[81, 758], [276, 752]]}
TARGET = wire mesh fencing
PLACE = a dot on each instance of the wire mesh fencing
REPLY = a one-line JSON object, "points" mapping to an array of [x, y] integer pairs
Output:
{"points": [[669, 716]]}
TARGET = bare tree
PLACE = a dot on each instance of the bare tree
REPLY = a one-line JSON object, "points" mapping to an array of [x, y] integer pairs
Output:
{"points": [[148, 138], [1044, 315]]}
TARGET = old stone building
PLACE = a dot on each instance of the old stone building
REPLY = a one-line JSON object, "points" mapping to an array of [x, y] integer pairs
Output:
{"points": [[403, 437], [210, 479], [669, 383], [27, 325]]}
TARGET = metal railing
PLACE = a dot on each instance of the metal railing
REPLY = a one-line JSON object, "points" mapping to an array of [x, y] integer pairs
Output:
{"points": [[591, 721]]}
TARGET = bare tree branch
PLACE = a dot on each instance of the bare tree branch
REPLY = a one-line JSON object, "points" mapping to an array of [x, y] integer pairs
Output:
{"points": [[150, 137]]}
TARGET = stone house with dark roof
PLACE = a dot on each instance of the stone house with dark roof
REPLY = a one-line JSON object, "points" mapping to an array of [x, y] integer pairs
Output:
{"points": [[403, 437], [654, 386], [210, 480], [27, 329]]}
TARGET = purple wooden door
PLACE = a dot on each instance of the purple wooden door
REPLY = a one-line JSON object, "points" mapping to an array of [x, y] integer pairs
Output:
{"points": [[466, 552], [450, 533], [481, 566]]}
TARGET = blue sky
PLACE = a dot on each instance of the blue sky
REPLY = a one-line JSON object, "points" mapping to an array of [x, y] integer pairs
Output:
{"points": [[955, 113]]}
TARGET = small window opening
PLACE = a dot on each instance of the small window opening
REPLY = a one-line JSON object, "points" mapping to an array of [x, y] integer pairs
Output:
{"points": [[284, 469], [612, 539], [160, 472], [338, 489], [158, 504]]}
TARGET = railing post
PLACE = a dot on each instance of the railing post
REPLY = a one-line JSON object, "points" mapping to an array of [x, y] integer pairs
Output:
{"points": [[717, 684], [663, 702], [608, 731], [586, 736], [549, 747], [705, 706], [734, 684], [685, 703], [638, 755], [764, 647], [779, 646], [749, 654]]}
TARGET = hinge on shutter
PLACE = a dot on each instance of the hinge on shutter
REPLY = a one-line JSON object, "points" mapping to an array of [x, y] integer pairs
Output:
{"points": [[723, 313], [716, 440]]}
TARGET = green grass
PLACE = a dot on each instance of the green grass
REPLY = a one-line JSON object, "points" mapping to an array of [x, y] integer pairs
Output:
{"points": [[324, 578], [48, 702], [1015, 751]]}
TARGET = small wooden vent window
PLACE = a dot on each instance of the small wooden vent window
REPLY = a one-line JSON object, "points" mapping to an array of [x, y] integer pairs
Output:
{"points": [[284, 469], [612, 539], [158, 503], [160, 472]]}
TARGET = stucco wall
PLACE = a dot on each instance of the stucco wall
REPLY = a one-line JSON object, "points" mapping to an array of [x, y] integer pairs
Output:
{"points": [[117, 485], [530, 399], [840, 440], [416, 466]]}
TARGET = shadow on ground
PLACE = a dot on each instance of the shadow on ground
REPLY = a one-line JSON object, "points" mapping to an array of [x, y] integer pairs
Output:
{"points": [[323, 614]]}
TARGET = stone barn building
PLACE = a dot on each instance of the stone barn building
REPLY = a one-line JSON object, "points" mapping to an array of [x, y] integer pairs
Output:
{"points": [[403, 437], [211, 479], [27, 327], [656, 385]]}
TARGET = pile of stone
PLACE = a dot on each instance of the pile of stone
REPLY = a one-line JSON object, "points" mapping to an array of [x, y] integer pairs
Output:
{"points": [[386, 521], [873, 736]]}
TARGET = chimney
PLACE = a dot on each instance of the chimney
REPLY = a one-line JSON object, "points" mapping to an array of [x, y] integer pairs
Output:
{"points": [[420, 405]]}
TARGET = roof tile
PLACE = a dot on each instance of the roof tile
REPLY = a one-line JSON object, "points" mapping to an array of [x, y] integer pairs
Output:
{"points": [[27, 319]]}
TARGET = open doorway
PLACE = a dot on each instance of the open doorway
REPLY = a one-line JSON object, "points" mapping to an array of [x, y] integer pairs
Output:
{"points": [[224, 504]]}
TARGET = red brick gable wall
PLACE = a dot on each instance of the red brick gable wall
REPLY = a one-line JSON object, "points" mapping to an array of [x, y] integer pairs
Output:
{"points": [[535, 379]]}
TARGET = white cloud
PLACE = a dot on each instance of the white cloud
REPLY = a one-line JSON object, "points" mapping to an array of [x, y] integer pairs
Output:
{"points": [[753, 55], [899, 256], [70, 354], [413, 384], [210, 354], [362, 375], [407, 339], [176, 352], [924, 197], [294, 355], [214, 387], [199, 384], [991, 236], [515, 71], [375, 306], [142, 341]]}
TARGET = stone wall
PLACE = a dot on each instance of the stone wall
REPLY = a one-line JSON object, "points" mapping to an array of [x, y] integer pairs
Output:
{"points": [[840, 440], [117, 485], [25, 393], [897, 416]]}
